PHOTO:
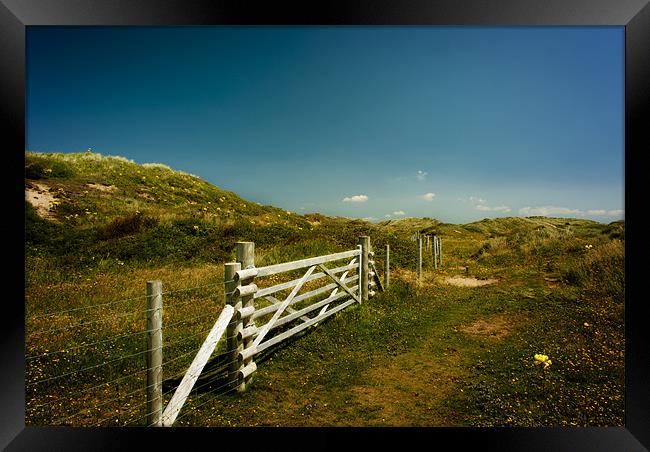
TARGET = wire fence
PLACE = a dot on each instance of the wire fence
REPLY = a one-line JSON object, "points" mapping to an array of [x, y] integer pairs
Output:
{"points": [[86, 365]]}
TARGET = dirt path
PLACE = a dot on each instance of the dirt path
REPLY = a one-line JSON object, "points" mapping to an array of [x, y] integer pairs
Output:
{"points": [[468, 282], [410, 389]]}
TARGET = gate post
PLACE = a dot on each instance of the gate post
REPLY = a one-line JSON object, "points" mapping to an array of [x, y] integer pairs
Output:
{"points": [[246, 258], [364, 241], [233, 338]]}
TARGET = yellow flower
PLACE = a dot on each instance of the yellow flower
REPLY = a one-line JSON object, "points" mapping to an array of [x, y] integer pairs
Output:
{"points": [[540, 358], [196, 228]]}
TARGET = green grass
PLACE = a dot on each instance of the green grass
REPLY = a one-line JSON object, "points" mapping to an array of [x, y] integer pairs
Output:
{"points": [[414, 355]]}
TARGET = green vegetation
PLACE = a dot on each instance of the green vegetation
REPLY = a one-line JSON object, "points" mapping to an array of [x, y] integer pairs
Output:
{"points": [[422, 353]]}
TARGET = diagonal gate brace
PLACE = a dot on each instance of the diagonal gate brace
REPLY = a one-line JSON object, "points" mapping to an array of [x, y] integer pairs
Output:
{"points": [[281, 309], [192, 374], [338, 281], [322, 311]]}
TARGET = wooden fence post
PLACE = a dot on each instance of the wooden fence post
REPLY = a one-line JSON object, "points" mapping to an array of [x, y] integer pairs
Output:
{"points": [[154, 353], [246, 257], [234, 342], [440, 251], [419, 257], [435, 251], [364, 241], [387, 267]]}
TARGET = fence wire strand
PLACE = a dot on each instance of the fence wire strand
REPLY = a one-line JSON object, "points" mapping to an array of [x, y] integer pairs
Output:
{"points": [[87, 307]]}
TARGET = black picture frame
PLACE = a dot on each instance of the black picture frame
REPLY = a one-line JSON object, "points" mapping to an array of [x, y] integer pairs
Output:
{"points": [[15, 15]]}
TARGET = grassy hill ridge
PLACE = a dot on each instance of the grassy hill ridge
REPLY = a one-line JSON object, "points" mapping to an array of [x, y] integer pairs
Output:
{"points": [[102, 212]]}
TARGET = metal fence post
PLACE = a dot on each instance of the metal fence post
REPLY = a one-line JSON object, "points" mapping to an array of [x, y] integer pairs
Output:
{"points": [[154, 353]]}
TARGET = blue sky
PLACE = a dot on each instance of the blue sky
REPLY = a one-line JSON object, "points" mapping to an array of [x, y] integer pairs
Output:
{"points": [[453, 123]]}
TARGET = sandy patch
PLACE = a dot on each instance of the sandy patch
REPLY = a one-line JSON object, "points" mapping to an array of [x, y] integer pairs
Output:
{"points": [[40, 197], [468, 282], [494, 327], [102, 187]]}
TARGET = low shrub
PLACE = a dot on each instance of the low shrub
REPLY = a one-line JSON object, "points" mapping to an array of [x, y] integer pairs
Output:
{"points": [[601, 270], [40, 168], [126, 225]]}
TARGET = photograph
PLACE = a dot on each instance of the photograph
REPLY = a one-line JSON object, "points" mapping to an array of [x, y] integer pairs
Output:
{"points": [[325, 226]]}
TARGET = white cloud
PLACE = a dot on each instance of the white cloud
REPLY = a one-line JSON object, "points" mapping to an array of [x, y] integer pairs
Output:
{"points": [[428, 196], [399, 212], [477, 200], [356, 198], [369, 218], [554, 210], [606, 213], [387, 215], [493, 209], [545, 211], [421, 175]]}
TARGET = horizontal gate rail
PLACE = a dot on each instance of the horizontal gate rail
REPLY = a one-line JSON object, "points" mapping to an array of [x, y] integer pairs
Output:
{"points": [[295, 265], [286, 285]]}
